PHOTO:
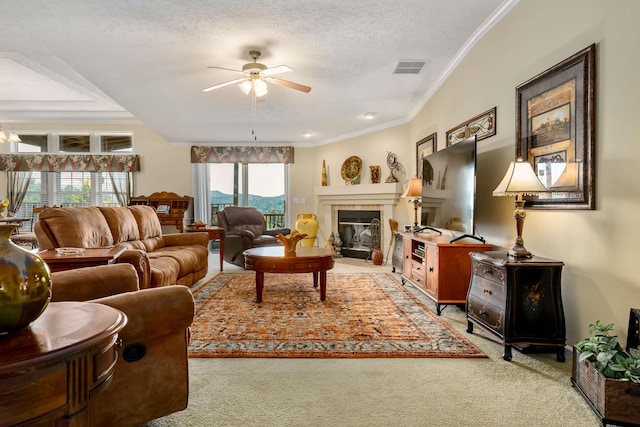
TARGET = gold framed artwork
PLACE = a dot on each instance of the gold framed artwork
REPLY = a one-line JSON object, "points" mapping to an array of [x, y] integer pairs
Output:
{"points": [[424, 147], [555, 131], [483, 126]]}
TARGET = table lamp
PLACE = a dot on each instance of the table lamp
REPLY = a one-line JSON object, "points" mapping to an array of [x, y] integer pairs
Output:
{"points": [[519, 180], [414, 193]]}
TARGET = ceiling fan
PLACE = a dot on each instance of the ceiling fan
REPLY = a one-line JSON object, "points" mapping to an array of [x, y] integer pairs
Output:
{"points": [[256, 76]]}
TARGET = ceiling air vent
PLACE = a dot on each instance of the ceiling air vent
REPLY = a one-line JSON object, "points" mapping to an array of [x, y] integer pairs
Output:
{"points": [[409, 67]]}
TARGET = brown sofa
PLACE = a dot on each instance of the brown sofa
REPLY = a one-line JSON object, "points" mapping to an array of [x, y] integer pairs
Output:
{"points": [[160, 260], [151, 376], [244, 228]]}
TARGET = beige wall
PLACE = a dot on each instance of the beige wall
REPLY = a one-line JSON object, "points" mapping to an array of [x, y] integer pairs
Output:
{"points": [[598, 247], [371, 148]]}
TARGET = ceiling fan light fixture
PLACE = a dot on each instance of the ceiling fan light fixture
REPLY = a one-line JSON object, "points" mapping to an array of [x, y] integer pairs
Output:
{"points": [[260, 87], [245, 86]]}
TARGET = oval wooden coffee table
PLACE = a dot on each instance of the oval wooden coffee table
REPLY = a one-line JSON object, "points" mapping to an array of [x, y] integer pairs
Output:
{"points": [[271, 259]]}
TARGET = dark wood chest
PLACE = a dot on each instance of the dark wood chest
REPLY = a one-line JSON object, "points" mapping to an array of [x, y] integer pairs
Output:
{"points": [[518, 300]]}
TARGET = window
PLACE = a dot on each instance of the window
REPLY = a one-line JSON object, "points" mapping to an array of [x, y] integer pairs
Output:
{"points": [[261, 185], [73, 188]]}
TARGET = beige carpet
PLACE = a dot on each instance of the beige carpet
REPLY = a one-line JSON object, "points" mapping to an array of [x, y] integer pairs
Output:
{"points": [[531, 390]]}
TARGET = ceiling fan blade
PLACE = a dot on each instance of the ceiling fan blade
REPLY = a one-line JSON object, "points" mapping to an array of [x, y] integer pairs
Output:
{"points": [[218, 86], [226, 69], [276, 70], [291, 85]]}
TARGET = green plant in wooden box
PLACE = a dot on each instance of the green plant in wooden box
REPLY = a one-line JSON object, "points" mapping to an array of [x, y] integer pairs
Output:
{"points": [[608, 356], [607, 376]]}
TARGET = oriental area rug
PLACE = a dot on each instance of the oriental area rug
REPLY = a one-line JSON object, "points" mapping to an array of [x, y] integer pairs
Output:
{"points": [[364, 315]]}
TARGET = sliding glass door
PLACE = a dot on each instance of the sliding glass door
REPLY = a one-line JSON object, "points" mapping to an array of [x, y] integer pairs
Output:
{"points": [[261, 185]]}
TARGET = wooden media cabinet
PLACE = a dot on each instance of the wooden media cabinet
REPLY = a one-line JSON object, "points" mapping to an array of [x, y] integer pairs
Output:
{"points": [[437, 267]]}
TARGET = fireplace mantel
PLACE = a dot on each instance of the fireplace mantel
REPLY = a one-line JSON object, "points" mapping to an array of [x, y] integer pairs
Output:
{"points": [[372, 194], [384, 195]]}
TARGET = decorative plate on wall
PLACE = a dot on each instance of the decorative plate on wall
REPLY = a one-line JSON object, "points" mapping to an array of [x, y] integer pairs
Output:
{"points": [[351, 169]]}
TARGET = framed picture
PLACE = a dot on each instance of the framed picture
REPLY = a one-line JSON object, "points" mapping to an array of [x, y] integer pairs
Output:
{"points": [[163, 209], [424, 170], [483, 126], [555, 131]]}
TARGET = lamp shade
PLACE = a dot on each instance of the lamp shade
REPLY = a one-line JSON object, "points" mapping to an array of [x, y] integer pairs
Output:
{"points": [[13, 137], [414, 189], [519, 179]]}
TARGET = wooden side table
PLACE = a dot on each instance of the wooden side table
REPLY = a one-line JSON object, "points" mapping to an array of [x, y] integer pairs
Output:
{"points": [[89, 258], [215, 233], [52, 368]]}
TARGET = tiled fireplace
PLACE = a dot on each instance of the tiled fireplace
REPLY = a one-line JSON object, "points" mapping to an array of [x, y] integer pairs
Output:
{"points": [[381, 197]]}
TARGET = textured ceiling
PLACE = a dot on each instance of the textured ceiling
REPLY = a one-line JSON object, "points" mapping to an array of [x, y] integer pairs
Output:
{"points": [[122, 61]]}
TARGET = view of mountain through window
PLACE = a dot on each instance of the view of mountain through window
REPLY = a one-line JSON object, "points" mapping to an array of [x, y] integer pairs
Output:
{"points": [[265, 186]]}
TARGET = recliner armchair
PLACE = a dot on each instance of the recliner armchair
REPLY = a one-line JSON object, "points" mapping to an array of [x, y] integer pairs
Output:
{"points": [[151, 378], [244, 228]]}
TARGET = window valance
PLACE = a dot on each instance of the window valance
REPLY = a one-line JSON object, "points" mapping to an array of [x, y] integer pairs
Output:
{"points": [[241, 154], [70, 162]]}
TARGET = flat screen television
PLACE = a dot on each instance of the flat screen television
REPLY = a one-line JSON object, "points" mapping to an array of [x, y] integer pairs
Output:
{"points": [[449, 190]]}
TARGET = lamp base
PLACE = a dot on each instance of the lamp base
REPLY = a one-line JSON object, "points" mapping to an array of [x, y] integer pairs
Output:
{"points": [[519, 251]]}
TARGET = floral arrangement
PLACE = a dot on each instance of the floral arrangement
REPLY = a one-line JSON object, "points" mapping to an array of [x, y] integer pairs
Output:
{"points": [[3, 205]]}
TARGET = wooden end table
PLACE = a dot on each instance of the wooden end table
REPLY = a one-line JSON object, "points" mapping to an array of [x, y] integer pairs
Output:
{"points": [[90, 258], [271, 259], [50, 369], [215, 233]]}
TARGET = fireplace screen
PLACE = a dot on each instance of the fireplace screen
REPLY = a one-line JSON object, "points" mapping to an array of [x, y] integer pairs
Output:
{"points": [[354, 228]]}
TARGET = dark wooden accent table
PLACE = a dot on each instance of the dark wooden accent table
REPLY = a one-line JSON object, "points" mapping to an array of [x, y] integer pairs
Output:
{"points": [[271, 259], [91, 257], [215, 233], [52, 368], [519, 300]]}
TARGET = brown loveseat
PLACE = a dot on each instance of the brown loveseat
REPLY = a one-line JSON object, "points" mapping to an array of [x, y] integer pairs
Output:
{"points": [[151, 376], [244, 228], [160, 260]]}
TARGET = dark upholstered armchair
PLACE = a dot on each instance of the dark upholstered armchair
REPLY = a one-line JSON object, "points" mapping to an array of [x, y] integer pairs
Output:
{"points": [[244, 228]]}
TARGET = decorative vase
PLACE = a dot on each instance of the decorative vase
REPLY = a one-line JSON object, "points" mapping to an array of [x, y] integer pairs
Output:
{"points": [[375, 174], [377, 256], [324, 175], [25, 284], [307, 224]]}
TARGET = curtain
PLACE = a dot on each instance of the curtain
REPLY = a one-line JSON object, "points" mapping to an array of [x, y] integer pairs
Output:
{"points": [[201, 192], [241, 154], [70, 162], [122, 186], [17, 185]]}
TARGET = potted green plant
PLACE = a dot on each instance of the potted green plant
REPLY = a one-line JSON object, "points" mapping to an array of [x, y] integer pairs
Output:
{"points": [[608, 376]]}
